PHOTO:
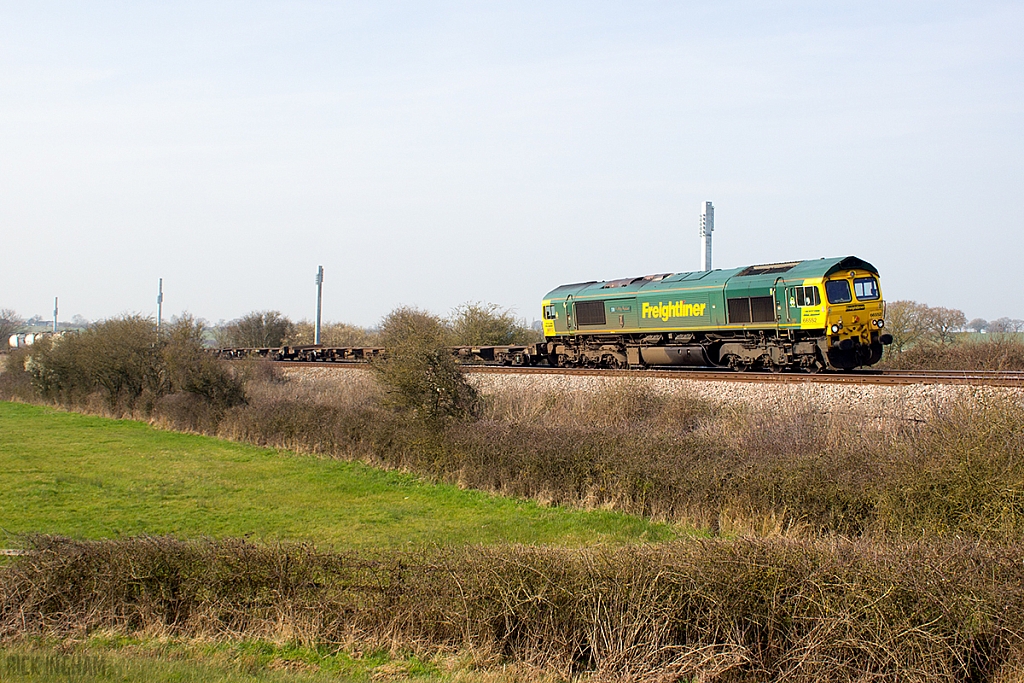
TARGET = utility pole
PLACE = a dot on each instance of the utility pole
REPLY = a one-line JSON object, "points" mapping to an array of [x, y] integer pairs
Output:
{"points": [[319, 300], [159, 304], [55, 315], [707, 226]]}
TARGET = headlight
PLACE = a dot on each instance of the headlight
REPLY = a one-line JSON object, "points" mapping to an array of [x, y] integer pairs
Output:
{"points": [[835, 329], [881, 324]]}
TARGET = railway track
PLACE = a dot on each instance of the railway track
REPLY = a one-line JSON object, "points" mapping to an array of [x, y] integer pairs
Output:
{"points": [[995, 378]]}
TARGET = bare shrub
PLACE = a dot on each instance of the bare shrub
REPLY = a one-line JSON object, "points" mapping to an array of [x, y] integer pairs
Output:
{"points": [[258, 329], [184, 411], [710, 610], [478, 324], [119, 357], [15, 379], [419, 372], [127, 366], [189, 369], [303, 333], [963, 473]]}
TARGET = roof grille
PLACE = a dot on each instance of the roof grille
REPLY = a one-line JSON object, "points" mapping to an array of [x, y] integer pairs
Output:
{"points": [[627, 281], [767, 269]]}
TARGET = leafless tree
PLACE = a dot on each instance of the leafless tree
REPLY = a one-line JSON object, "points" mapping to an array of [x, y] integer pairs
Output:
{"points": [[911, 323], [10, 322], [944, 323], [1005, 326], [259, 329], [907, 322]]}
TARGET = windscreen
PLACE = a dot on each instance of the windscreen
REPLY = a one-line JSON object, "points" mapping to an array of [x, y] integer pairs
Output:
{"points": [[866, 288], [838, 292]]}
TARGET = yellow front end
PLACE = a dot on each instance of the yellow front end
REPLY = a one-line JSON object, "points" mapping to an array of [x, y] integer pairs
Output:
{"points": [[853, 308]]}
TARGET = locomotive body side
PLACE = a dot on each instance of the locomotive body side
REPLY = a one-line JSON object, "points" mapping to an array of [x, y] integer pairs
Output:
{"points": [[805, 314]]}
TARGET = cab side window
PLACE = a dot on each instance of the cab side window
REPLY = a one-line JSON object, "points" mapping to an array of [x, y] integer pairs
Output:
{"points": [[810, 296], [804, 296]]}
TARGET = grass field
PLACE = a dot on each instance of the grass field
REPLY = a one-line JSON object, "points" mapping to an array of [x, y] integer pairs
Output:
{"points": [[109, 660], [91, 477]]}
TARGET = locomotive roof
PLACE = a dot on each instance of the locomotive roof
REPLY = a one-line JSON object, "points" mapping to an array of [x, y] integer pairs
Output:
{"points": [[792, 270]]}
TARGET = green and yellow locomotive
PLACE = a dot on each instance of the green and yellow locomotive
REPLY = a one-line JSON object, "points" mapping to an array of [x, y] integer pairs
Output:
{"points": [[807, 315]]}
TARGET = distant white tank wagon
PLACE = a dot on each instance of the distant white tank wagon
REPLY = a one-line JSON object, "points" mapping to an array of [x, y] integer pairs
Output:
{"points": [[23, 340]]}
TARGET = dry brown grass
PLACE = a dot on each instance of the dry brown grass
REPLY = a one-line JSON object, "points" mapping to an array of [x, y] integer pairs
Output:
{"points": [[730, 469], [746, 610], [1002, 352]]}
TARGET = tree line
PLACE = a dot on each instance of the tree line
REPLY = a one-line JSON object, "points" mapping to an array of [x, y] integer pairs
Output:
{"points": [[470, 324], [914, 324]]}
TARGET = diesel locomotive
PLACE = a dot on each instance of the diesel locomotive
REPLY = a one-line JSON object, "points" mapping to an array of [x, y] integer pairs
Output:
{"points": [[802, 315]]}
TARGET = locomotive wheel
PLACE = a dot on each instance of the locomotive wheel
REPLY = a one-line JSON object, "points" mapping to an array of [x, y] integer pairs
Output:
{"points": [[812, 369], [735, 364]]}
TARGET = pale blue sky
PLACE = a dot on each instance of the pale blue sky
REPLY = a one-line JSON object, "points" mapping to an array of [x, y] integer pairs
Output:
{"points": [[433, 153]]}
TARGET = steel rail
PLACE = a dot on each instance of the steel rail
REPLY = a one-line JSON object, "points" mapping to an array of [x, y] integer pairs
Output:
{"points": [[997, 378]]}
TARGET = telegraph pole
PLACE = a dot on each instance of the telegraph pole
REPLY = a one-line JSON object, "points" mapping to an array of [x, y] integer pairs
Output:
{"points": [[55, 315], [159, 304], [319, 300]]}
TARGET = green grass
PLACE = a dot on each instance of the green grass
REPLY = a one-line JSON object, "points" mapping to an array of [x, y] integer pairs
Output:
{"points": [[102, 660], [92, 477]]}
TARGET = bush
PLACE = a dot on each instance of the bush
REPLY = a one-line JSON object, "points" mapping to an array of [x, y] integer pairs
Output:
{"points": [[191, 370], [418, 371], [998, 352], [337, 335], [707, 610], [120, 358], [477, 324], [258, 329], [728, 469], [129, 366], [15, 380]]}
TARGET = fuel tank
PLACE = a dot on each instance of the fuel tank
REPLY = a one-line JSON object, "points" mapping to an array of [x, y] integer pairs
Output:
{"points": [[674, 355]]}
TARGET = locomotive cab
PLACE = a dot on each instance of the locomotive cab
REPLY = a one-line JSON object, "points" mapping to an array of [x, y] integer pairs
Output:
{"points": [[854, 319]]}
